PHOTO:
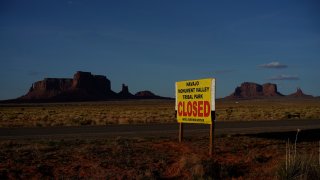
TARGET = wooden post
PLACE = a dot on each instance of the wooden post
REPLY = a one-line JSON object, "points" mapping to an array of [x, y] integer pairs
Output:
{"points": [[180, 132], [211, 139]]}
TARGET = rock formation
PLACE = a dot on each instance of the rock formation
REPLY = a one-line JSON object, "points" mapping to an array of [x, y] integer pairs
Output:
{"points": [[299, 94], [147, 95], [83, 87], [254, 90], [124, 93], [48, 88], [144, 94], [91, 83], [270, 90]]}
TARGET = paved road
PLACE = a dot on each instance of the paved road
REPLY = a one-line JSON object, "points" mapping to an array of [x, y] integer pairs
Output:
{"points": [[161, 130]]}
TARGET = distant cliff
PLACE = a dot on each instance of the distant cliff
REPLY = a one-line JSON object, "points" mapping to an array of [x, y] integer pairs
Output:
{"points": [[250, 90], [124, 93], [254, 90], [147, 95], [83, 87], [299, 94]]}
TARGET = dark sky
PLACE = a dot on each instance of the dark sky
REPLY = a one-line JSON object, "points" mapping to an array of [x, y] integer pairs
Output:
{"points": [[152, 44]]}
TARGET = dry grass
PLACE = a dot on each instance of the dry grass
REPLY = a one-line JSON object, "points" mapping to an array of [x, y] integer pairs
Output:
{"points": [[236, 157], [96, 113], [272, 109], [149, 111]]}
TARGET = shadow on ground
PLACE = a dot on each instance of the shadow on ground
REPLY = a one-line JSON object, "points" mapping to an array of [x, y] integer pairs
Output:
{"points": [[303, 136]]}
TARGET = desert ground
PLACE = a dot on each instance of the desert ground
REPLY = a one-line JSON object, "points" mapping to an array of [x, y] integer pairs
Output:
{"points": [[274, 155], [259, 156], [150, 111]]}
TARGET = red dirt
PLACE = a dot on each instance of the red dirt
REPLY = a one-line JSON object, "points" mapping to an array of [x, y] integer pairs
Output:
{"points": [[135, 158]]}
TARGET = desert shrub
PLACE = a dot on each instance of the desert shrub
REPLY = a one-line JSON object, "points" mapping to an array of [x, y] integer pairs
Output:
{"points": [[262, 158], [199, 168], [294, 170], [314, 170], [151, 174], [16, 172], [4, 174], [298, 166], [301, 167], [38, 124], [85, 122], [212, 169], [45, 170], [233, 170]]}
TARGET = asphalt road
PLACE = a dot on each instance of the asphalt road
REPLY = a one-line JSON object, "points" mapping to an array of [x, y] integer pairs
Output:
{"points": [[161, 130]]}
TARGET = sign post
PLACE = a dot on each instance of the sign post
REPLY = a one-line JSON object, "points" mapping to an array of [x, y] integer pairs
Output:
{"points": [[195, 103], [180, 132], [211, 143]]}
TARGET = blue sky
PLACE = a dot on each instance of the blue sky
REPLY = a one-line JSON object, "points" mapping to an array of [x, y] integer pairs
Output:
{"points": [[151, 44]]}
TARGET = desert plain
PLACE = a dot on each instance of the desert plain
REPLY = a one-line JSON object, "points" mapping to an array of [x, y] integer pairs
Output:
{"points": [[276, 155], [150, 111]]}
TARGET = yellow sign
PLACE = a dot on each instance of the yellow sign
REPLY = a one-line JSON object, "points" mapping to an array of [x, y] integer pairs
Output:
{"points": [[195, 101]]}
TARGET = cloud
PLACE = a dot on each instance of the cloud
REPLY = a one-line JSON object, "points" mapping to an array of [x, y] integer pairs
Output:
{"points": [[284, 77], [273, 65]]}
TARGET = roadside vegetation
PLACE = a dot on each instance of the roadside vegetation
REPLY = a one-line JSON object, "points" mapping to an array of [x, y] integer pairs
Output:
{"points": [[299, 165], [269, 109], [149, 111], [236, 157]]}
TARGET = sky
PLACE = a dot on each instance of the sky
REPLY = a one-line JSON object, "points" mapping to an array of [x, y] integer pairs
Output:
{"points": [[151, 44]]}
